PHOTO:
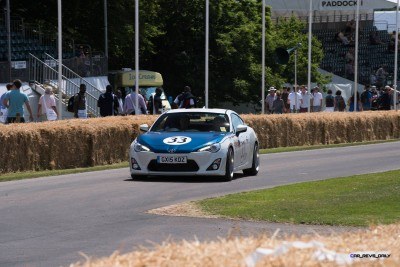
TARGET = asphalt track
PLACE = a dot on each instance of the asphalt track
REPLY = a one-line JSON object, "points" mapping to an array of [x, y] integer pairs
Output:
{"points": [[48, 221]]}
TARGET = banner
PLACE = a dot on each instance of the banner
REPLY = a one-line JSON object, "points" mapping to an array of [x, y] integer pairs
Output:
{"points": [[329, 5], [18, 64]]}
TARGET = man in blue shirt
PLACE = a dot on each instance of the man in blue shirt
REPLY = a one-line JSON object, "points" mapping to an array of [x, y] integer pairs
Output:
{"points": [[366, 98], [14, 101]]}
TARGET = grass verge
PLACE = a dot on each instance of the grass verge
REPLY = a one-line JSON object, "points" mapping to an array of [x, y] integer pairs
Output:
{"points": [[29, 175], [359, 200]]}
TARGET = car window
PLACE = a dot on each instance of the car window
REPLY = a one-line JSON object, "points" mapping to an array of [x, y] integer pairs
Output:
{"points": [[192, 122], [236, 120]]}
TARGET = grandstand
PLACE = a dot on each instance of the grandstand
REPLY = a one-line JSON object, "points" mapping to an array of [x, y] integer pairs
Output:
{"points": [[330, 17], [29, 40], [370, 56]]}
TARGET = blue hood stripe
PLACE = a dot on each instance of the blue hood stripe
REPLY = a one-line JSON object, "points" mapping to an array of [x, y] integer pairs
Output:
{"points": [[154, 141]]}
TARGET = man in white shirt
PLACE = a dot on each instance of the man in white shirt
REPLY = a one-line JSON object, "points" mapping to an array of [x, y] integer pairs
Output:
{"points": [[317, 100], [130, 102], [306, 99], [295, 100]]}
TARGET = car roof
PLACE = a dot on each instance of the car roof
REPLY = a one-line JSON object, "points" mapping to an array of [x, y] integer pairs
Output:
{"points": [[203, 110]]}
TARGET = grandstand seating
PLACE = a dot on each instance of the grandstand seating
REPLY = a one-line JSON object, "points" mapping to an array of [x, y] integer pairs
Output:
{"points": [[370, 56], [21, 47]]}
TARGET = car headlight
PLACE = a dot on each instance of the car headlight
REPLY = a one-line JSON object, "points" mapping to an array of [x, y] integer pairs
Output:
{"points": [[140, 148], [213, 148]]}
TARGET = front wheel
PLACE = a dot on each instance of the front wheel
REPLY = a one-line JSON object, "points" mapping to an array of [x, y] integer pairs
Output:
{"points": [[256, 163], [229, 166]]}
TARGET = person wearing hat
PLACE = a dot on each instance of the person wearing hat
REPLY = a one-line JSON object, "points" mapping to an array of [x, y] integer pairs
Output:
{"points": [[14, 100], [269, 100], [48, 102]]}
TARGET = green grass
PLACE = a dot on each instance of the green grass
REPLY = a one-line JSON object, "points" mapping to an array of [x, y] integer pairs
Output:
{"points": [[355, 201], [301, 148], [36, 174]]}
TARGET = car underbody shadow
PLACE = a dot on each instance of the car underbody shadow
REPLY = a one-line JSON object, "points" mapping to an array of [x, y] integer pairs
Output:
{"points": [[184, 179]]}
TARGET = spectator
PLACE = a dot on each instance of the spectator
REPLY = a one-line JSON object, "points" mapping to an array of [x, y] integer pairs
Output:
{"points": [[342, 38], [392, 42], [384, 99], [107, 102], [349, 57], [177, 101], [3, 109], [339, 103], [120, 110], [329, 102], [366, 98], [155, 102], [351, 103], [317, 100], [14, 101], [130, 102], [278, 106], [48, 102], [372, 78], [306, 99], [269, 100], [350, 27], [187, 99], [381, 76], [349, 69], [80, 110], [294, 100], [284, 96], [374, 38]]}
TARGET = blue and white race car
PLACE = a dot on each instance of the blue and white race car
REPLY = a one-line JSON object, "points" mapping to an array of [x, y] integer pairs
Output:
{"points": [[187, 142]]}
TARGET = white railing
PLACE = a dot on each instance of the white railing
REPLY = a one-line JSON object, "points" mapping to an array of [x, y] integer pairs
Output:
{"points": [[46, 73]]}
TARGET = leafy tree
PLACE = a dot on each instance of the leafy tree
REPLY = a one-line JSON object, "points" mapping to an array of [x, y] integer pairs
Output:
{"points": [[172, 41]]}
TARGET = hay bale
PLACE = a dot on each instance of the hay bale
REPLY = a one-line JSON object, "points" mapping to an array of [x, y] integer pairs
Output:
{"points": [[236, 250], [81, 143]]}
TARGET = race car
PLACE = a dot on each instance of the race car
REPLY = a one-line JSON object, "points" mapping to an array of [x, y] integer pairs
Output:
{"points": [[188, 142]]}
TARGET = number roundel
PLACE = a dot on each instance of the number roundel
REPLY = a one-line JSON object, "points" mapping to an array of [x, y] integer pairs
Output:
{"points": [[177, 140]]}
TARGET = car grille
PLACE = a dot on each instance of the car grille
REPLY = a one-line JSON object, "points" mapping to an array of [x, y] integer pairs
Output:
{"points": [[190, 166]]}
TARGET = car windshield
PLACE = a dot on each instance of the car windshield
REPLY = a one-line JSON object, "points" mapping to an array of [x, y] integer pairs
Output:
{"points": [[192, 122]]}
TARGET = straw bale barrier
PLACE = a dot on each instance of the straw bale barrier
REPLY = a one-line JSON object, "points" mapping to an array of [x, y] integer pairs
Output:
{"points": [[236, 250], [81, 143]]}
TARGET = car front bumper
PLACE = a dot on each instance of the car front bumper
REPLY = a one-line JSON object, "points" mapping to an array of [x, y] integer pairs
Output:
{"points": [[197, 164]]}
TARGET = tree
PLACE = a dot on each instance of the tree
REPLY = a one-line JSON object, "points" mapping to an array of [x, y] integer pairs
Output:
{"points": [[172, 40]]}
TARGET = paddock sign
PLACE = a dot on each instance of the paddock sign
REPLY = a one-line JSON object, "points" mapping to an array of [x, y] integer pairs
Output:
{"points": [[340, 4]]}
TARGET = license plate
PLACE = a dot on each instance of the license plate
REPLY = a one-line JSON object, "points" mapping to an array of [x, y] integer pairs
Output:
{"points": [[171, 159]]}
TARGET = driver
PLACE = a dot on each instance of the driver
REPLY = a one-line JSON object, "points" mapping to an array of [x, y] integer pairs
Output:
{"points": [[184, 122]]}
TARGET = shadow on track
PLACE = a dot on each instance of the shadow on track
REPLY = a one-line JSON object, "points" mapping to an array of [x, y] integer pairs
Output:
{"points": [[184, 179]]}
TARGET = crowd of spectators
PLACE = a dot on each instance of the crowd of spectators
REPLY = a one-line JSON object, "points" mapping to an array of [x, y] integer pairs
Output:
{"points": [[300, 100]]}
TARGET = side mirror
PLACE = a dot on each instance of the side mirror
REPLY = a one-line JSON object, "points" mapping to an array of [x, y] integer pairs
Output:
{"points": [[241, 129], [144, 127]]}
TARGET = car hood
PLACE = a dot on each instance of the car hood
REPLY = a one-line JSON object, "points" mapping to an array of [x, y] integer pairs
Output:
{"points": [[179, 142]]}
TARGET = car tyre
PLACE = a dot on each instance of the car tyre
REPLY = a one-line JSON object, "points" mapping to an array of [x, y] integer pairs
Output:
{"points": [[229, 166], [256, 163]]}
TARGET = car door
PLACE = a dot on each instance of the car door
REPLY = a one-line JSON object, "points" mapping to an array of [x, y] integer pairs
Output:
{"points": [[240, 143]]}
